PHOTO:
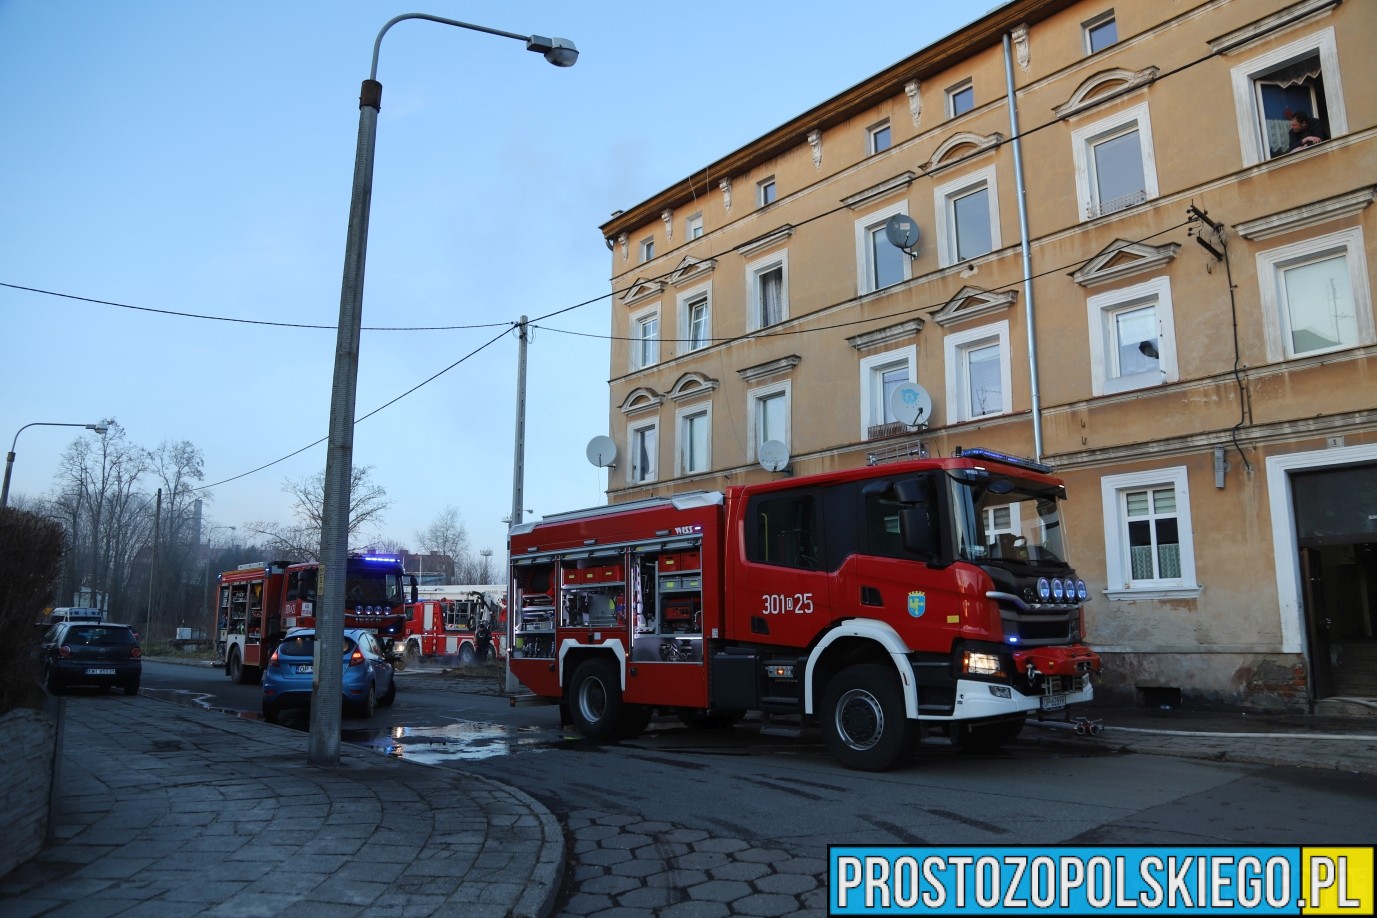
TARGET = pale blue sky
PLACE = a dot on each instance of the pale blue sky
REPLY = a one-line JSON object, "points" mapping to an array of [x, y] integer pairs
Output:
{"points": [[197, 157]]}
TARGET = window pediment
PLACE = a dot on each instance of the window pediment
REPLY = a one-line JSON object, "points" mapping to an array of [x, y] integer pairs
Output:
{"points": [[692, 384], [865, 198], [960, 147], [1308, 215], [691, 269], [642, 289], [883, 336], [1122, 258], [1103, 86], [641, 398], [1270, 25], [974, 303], [770, 368], [761, 243]]}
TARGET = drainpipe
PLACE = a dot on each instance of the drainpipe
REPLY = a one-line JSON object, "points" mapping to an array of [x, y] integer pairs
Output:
{"points": [[1025, 250]]}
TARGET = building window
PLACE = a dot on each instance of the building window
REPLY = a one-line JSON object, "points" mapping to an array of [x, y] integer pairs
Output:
{"points": [[1315, 295], [881, 374], [1303, 75], [1101, 32], [693, 226], [767, 296], [969, 224], [695, 319], [643, 440], [978, 373], [768, 416], [1132, 341], [877, 138], [645, 339], [960, 98], [647, 249], [879, 263], [1149, 547], [766, 192], [1115, 163], [695, 446]]}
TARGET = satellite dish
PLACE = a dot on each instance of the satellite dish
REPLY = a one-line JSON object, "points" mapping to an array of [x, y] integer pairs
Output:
{"points": [[911, 404], [602, 452], [774, 456], [902, 231]]}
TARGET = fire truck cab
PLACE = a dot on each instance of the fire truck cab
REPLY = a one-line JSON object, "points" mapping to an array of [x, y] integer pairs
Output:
{"points": [[876, 603]]}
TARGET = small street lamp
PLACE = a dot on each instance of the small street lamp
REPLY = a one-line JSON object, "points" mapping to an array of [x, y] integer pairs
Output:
{"points": [[339, 458], [9, 460]]}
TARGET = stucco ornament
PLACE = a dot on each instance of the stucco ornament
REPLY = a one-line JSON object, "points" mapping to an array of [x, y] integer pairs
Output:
{"points": [[726, 186], [915, 100], [815, 141], [621, 241], [1021, 46], [668, 216]]}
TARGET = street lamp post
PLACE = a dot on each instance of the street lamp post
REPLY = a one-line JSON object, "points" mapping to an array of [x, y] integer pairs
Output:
{"points": [[9, 460], [339, 460]]}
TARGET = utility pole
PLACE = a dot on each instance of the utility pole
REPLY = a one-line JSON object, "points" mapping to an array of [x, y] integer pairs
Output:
{"points": [[152, 569], [518, 484]]}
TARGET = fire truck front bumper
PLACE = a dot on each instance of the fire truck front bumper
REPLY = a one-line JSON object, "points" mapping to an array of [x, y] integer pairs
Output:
{"points": [[1073, 660], [993, 701]]}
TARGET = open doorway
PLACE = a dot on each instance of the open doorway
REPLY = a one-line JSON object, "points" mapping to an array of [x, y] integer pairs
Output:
{"points": [[1335, 510]]}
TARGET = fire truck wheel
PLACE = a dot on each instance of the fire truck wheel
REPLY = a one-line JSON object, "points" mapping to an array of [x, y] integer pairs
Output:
{"points": [[466, 655], [596, 700], [987, 737], [390, 695], [235, 668], [862, 718], [412, 655]]}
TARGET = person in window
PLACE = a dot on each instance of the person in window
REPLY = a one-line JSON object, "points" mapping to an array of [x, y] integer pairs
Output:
{"points": [[1305, 131]]}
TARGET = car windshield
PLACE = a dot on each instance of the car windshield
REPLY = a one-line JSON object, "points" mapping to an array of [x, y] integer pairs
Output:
{"points": [[1004, 519], [99, 635]]}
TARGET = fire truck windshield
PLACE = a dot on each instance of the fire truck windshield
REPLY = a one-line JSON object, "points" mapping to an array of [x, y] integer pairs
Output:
{"points": [[1007, 520], [373, 587]]}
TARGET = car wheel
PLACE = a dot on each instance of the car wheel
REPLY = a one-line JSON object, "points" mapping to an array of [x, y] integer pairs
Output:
{"points": [[53, 683], [390, 695], [131, 688], [466, 655], [596, 704], [863, 720], [369, 704]]}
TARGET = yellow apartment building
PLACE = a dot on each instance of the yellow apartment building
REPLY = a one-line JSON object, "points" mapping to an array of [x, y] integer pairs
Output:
{"points": [[1118, 261]]}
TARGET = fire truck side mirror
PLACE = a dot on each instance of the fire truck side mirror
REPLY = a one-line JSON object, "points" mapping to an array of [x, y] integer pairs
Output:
{"points": [[414, 591]]}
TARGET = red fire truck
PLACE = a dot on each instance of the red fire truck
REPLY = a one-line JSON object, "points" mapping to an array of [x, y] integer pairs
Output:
{"points": [[878, 603], [468, 628], [257, 603]]}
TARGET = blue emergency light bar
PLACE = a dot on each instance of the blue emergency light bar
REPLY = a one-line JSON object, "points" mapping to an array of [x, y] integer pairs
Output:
{"points": [[385, 559], [1005, 458]]}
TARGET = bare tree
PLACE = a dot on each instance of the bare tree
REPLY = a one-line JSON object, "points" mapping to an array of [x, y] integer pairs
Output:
{"points": [[446, 535], [300, 540]]}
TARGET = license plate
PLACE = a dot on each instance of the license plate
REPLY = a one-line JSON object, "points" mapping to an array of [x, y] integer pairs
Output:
{"points": [[306, 668], [100, 672], [1053, 702]]}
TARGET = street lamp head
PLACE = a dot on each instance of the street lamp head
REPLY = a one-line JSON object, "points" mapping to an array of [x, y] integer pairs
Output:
{"points": [[558, 51], [98, 428]]}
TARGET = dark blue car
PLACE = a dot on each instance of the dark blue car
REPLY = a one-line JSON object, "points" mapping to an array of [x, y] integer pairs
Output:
{"points": [[366, 680]]}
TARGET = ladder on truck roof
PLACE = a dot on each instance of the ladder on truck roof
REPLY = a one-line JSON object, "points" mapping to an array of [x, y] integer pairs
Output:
{"points": [[684, 501]]}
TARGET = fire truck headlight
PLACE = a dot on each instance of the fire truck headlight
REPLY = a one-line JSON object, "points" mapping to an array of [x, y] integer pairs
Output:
{"points": [[1000, 691], [1044, 589], [1081, 592], [980, 664]]}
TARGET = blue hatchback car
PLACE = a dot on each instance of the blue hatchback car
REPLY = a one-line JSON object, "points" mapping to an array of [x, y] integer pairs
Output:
{"points": [[366, 680]]}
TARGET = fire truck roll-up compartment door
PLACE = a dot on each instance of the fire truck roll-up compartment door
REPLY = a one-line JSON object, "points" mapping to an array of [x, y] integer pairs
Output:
{"points": [[665, 614]]}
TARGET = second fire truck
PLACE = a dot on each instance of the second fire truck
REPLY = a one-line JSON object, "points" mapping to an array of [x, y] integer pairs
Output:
{"points": [[466, 625], [878, 603]]}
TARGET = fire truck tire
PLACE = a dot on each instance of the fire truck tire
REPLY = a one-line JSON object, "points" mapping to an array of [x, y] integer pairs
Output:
{"points": [[412, 655], [596, 705], [466, 655], [862, 718], [987, 737], [236, 670], [390, 695]]}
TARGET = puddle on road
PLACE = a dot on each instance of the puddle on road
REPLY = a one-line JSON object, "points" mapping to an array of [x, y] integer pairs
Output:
{"points": [[468, 741]]}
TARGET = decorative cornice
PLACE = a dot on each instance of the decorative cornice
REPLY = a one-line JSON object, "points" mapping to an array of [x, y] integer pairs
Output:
{"points": [[1268, 25], [641, 289], [981, 142], [1334, 208], [974, 303], [761, 243], [691, 385], [641, 398], [1103, 86], [888, 186], [882, 336], [691, 269], [1123, 258], [761, 370]]}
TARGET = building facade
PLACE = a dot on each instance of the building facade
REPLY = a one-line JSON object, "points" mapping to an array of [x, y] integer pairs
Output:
{"points": [[1123, 265]]}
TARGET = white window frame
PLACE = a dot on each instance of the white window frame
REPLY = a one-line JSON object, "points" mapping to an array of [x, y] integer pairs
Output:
{"points": [[956, 91], [873, 407], [633, 431], [944, 199], [866, 227], [1250, 132], [685, 302], [682, 417], [872, 136], [1084, 139], [955, 347], [639, 360], [766, 188], [754, 271], [1273, 262], [754, 397], [1118, 570], [647, 249], [1101, 308], [1091, 24], [693, 226]]}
